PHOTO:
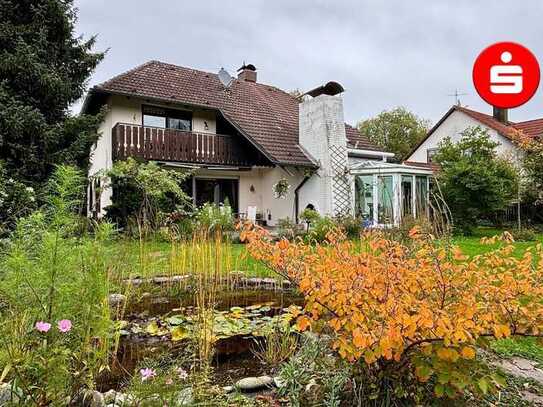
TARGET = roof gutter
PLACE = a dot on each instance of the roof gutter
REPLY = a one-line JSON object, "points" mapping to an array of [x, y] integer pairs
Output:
{"points": [[297, 197], [368, 153]]}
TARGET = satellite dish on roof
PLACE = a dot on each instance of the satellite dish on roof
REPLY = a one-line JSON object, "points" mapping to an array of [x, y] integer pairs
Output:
{"points": [[225, 78]]}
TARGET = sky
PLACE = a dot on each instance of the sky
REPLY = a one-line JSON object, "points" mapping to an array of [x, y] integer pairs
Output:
{"points": [[386, 54]]}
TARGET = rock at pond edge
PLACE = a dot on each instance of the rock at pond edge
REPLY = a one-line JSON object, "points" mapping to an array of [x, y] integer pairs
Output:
{"points": [[116, 300], [254, 383]]}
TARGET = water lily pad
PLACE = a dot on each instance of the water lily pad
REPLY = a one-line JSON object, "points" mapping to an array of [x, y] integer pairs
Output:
{"points": [[176, 320], [179, 333], [154, 330]]}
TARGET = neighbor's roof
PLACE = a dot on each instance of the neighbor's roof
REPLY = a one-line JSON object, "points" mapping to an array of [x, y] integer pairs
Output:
{"points": [[531, 128], [358, 141], [264, 114]]}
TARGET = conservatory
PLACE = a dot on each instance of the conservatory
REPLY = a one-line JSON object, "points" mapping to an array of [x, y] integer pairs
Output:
{"points": [[386, 193]]}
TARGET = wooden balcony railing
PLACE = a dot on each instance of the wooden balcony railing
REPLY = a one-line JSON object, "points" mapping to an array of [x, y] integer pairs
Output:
{"points": [[152, 143]]}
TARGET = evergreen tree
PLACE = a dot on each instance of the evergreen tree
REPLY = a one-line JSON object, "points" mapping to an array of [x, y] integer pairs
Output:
{"points": [[44, 68]]}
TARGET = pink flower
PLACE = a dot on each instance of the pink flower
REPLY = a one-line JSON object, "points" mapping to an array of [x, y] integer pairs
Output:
{"points": [[64, 325], [43, 326], [182, 373], [147, 373]]}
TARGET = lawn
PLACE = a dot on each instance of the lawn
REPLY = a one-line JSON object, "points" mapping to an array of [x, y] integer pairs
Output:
{"points": [[472, 246], [157, 258], [157, 253]]}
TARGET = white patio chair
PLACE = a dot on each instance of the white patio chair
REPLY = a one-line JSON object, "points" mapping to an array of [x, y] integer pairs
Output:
{"points": [[251, 214]]}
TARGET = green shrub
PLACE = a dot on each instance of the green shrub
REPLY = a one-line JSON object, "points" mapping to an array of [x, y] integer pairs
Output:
{"points": [[309, 216], [146, 192], [287, 229], [320, 228], [212, 218], [352, 226], [524, 235], [475, 182], [314, 376], [16, 200]]}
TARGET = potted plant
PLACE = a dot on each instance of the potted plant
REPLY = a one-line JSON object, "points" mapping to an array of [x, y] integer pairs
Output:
{"points": [[281, 188]]}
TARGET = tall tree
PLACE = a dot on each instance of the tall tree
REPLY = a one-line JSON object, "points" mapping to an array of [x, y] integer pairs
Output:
{"points": [[44, 68], [474, 180], [397, 131]]}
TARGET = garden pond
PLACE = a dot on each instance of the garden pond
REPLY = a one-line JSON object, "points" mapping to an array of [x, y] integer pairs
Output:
{"points": [[155, 325]]}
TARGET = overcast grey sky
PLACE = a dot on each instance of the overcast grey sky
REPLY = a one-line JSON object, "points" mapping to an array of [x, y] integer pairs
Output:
{"points": [[385, 53]]}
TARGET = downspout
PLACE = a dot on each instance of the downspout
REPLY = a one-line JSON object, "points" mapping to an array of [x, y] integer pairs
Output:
{"points": [[296, 197]]}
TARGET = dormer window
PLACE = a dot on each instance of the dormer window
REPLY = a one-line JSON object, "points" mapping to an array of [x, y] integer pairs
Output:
{"points": [[154, 116]]}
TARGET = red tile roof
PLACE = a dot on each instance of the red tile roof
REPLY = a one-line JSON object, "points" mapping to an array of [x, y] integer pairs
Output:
{"points": [[265, 114], [357, 140], [532, 128], [487, 120]]}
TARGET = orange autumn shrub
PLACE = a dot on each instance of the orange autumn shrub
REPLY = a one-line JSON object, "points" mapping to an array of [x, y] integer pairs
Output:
{"points": [[424, 305]]}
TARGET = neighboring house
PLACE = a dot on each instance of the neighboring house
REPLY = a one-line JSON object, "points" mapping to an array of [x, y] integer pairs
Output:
{"points": [[458, 119], [241, 137]]}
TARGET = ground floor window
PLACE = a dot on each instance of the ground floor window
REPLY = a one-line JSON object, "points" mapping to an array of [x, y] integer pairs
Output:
{"points": [[217, 191], [385, 188], [422, 195], [364, 197], [407, 195]]}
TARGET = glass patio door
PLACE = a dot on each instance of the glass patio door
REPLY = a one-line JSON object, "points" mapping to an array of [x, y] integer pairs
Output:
{"points": [[385, 193], [407, 196], [217, 191]]}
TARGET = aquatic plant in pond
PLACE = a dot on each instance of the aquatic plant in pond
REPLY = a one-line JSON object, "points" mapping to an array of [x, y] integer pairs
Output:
{"points": [[256, 320]]}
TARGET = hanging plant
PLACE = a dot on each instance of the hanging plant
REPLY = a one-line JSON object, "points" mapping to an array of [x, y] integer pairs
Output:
{"points": [[280, 188]]}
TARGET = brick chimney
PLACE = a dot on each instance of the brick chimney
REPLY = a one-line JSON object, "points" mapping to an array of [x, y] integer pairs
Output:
{"points": [[500, 114], [247, 73]]}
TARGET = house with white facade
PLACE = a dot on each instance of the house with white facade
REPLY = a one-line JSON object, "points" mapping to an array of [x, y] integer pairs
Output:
{"points": [[458, 118], [239, 137]]}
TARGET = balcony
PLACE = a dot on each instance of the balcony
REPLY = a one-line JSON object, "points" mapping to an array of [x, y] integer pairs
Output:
{"points": [[152, 143]]}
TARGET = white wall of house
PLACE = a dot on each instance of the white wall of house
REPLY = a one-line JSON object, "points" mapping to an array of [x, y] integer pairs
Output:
{"points": [[279, 208], [453, 127]]}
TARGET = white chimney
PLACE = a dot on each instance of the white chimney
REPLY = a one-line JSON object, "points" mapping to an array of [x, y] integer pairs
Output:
{"points": [[322, 134]]}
